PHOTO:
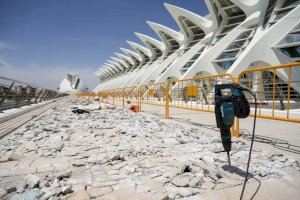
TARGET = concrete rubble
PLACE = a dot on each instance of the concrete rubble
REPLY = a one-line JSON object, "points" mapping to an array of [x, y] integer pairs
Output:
{"points": [[117, 154]]}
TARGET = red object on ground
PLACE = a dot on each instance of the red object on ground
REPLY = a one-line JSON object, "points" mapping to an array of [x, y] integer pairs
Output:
{"points": [[134, 108]]}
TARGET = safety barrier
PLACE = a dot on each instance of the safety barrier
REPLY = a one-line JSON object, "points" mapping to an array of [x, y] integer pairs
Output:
{"points": [[277, 89], [16, 93], [196, 93]]}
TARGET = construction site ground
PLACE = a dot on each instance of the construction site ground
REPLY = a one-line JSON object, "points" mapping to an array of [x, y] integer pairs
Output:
{"points": [[113, 153]]}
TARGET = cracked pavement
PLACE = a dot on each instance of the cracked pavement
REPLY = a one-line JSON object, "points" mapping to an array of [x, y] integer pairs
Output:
{"points": [[112, 153]]}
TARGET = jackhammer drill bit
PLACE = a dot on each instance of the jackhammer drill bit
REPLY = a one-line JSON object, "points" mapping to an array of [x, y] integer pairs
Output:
{"points": [[229, 162]]}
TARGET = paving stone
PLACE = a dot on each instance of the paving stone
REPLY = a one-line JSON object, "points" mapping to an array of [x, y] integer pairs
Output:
{"points": [[32, 180], [116, 154], [65, 174], [80, 195], [181, 180], [97, 192], [25, 170], [49, 192], [11, 189], [14, 157], [80, 177], [67, 189], [78, 163]]}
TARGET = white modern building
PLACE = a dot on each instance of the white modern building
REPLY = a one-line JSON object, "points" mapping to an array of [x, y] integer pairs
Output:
{"points": [[236, 35], [72, 84]]}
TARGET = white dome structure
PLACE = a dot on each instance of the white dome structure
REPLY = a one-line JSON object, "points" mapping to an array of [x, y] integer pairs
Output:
{"points": [[72, 84]]}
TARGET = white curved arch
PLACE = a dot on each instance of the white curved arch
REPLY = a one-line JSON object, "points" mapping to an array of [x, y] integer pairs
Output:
{"points": [[206, 25], [120, 61], [116, 68], [115, 64], [107, 73], [108, 70], [99, 72], [112, 67], [138, 47], [212, 15], [145, 39], [158, 28], [122, 56], [250, 6], [103, 75], [131, 53]]}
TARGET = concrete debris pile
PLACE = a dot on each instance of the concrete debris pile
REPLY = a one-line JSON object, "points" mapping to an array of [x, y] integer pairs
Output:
{"points": [[112, 154]]}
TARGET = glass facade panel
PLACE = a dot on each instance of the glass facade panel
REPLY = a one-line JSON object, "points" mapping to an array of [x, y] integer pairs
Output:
{"points": [[291, 38], [226, 55], [234, 11], [227, 29], [289, 3], [173, 42], [281, 14], [292, 52], [198, 37], [219, 38], [224, 3], [196, 56], [236, 45], [187, 65], [226, 64], [244, 35], [237, 20], [297, 27]]}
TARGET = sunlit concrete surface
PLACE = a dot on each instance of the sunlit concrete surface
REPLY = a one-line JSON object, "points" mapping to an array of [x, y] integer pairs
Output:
{"points": [[113, 153]]}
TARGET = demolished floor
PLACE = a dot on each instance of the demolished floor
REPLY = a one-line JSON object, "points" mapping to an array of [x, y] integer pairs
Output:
{"points": [[112, 153]]}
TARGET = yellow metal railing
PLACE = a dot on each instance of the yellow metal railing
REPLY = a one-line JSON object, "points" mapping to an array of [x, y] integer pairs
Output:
{"points": [[196, 93], [277, 89]]}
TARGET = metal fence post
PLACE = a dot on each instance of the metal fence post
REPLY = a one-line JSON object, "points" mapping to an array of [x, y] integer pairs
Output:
{"points": [[236, 124], [45, 93], [113, 97], [236, 128], [107, 96], [123, 98], [139, 98], [167, 105], [39, 94]]}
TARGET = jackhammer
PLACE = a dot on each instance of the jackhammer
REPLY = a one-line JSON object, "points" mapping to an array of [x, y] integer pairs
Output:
{"points": [[231, 102]]}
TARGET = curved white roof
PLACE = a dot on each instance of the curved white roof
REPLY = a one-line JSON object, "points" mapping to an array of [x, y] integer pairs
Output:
{"points": [[206, 25], [250, 6], [105, 72], [120, 61], [108, 71], [138, 48], [146, 40], [122, 56], [131, 53], [120, 68], [158, 28], [111, 68], [117, 69]]}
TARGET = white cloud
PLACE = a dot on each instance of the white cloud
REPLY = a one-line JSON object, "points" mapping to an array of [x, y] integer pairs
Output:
{"points": [[47, 76], [3, 45]]}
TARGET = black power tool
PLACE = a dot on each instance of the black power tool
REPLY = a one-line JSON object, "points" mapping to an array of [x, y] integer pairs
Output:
{"points": [[230, 102]]}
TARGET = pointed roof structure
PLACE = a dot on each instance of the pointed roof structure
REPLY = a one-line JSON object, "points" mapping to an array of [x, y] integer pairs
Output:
{"points": [[156, 47]]}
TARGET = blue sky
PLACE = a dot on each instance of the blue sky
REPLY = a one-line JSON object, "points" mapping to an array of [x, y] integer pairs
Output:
{"points": [[42, 40]]}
